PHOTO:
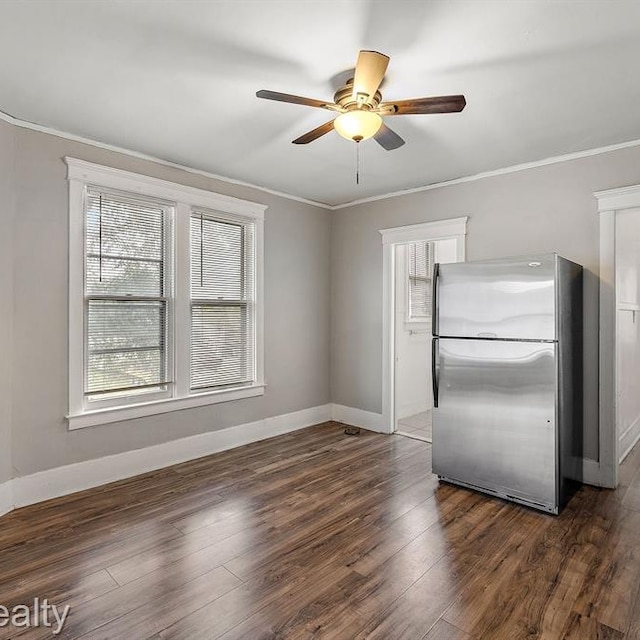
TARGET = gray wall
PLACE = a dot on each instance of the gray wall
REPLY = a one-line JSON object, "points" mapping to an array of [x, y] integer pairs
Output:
{"points": [[539, 210], [545, 209], [297, 308], [7, 184]]}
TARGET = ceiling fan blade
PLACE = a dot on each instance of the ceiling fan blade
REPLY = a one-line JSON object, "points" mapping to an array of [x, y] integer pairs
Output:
{"points": [[370, 70], [387, 138], [314, 134], [438, 104], [287, 97]]}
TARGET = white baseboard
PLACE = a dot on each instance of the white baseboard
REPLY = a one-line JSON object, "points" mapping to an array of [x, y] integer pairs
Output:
{"points": [[375, 422], [591, 472], [62, 481], [629, 438], [359, 418], [411, 409], [6, 497]]}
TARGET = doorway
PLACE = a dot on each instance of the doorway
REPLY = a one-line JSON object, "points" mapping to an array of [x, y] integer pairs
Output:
{"points": [[413, 333], [409, 254], [628, 330], [619, 331], [413, 291]]}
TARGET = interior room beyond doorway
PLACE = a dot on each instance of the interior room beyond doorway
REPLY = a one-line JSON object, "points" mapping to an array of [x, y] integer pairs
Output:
{"points": [[414, 263]]}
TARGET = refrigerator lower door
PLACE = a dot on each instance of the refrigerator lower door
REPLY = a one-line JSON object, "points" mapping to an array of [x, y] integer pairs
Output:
{"points": [[494, 428]]}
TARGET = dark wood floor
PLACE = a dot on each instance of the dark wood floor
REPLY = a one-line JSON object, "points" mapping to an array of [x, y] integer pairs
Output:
{"points": [[321, 535]]}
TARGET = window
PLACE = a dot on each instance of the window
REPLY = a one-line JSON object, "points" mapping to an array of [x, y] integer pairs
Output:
{"points": [[127, 297], [420, 269], [165, 304], [221, 302]]}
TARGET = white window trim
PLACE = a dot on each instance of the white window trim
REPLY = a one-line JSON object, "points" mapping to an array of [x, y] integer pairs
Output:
{"points": [[80, 174]]}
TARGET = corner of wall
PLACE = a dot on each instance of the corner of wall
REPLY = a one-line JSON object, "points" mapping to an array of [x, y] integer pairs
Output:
{"points": [[359, 418], [6, 497], [8, 199], [71, 478]]}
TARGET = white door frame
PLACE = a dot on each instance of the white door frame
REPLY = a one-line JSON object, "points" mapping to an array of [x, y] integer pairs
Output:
{"points": [[439, 230], [610, 203]]}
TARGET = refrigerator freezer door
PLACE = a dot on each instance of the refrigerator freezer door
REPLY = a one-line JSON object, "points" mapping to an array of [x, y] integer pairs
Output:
{"points": [[494, 427], [509, 299]]}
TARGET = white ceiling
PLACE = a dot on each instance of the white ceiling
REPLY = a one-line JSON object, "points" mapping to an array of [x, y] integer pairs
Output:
{"points": [[177, 80]]}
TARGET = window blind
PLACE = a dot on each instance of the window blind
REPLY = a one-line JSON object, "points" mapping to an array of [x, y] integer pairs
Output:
{"points": [[420, 270], [222, 301], [126, 303]]}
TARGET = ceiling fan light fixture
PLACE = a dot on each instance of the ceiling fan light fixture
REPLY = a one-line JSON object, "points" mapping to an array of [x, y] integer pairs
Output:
{"points": [[358, 124]]}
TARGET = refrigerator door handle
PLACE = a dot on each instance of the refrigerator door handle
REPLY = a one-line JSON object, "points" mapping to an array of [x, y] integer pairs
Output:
{"points": [[434, 300], [435, 369]]}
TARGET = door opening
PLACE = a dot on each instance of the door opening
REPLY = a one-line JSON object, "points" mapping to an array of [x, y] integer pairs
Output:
{"points": [[413, 400], [414, 267], [451, 231], [618, 209], [628, 331]]}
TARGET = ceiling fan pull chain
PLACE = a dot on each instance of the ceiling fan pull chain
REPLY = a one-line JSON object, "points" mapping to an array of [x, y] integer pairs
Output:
{"points": [[201, 249], [100, 239], [357, 162]]}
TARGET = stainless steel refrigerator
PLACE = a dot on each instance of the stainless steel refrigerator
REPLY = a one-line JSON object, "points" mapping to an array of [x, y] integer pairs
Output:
{"points": [[507, 377]]}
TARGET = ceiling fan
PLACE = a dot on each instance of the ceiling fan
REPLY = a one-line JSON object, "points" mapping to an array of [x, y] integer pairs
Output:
{"points": [[360, 108]]}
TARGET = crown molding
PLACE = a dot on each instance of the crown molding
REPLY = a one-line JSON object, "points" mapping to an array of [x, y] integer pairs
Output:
{"points": [[25, 124], [496, 172], [323, 205]]}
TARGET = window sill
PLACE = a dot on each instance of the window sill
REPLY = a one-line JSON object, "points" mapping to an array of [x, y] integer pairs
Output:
{"points": [[426, 320], [417, 326], [116, 414]]}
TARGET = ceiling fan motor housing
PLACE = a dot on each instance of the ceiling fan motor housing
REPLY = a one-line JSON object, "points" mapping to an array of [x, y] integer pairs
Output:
{"points": [[345, 98]]}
